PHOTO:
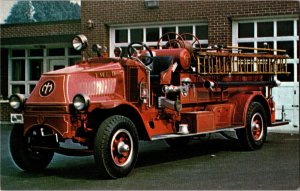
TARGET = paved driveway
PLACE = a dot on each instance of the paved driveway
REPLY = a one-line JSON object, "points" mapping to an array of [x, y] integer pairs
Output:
{"points": [[216, 163]]}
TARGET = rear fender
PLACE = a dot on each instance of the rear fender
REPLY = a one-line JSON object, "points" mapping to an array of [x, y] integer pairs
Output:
{"points": [[242, 101]]}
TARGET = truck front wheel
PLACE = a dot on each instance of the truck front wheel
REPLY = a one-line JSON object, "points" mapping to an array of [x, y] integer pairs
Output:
{"points": [[22, 152], [116, 147], [255, 133]]}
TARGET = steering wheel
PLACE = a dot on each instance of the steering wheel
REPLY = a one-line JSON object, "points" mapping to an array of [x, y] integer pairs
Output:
{"points": [[133, 53], [177, 42]]}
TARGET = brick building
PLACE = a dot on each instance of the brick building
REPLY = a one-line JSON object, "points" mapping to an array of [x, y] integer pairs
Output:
{"points": [[117, 23]]}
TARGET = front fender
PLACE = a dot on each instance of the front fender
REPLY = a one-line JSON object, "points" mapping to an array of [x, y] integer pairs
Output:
{"points": [[126, 109]]}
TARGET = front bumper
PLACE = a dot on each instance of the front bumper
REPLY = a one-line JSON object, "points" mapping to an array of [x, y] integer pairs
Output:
{"points": [[60, 123]]}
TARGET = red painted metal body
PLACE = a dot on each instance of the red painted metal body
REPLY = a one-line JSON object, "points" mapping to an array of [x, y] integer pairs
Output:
{"points": [[178, 92]]}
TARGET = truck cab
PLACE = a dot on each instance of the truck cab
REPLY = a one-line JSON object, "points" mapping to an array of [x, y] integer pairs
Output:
{"points": [[174, 91]]}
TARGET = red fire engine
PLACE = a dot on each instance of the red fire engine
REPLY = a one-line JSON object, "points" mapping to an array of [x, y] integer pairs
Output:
{"points": [[174, 91]]}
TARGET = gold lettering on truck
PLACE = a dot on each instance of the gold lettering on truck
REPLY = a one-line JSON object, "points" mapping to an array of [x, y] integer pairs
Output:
{"points": [[106, 74]]}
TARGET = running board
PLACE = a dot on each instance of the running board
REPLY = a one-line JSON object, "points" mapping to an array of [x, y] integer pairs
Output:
{"points": [[279, 122], [177, 135]]}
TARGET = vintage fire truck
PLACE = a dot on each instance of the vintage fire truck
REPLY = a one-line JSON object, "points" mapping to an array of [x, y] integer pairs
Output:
{"points": [[174, 91]]}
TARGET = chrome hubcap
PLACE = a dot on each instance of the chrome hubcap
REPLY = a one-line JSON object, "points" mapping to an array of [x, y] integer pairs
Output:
{"points": [[121, 147], [257, 126]]}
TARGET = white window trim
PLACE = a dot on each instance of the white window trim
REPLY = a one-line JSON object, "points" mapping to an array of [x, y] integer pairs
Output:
{"points": [[113, 44], [255, 39], [274, 39], [27, 82]]}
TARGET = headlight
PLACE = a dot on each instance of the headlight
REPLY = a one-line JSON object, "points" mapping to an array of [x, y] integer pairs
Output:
{"points": [[80, 42], [17, 101], [81, 102]]}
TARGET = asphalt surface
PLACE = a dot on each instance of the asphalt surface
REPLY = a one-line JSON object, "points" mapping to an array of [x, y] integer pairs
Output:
{"points": [[207, 164]]}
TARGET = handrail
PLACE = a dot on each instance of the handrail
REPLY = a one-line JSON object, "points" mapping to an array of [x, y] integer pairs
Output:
{"points": [[250, 48]]}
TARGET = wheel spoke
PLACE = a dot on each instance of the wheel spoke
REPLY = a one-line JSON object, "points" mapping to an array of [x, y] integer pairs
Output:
{"points": [[125, 154], [194, 42], [168, 38], [122, 160]]}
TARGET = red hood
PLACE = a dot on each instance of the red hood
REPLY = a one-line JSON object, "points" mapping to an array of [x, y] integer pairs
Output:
{"points": [[97, 80]]}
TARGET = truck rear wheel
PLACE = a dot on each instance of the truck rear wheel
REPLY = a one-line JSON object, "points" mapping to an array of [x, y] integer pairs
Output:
{"points": [[24, 155], [255, 133], [116, 147]]}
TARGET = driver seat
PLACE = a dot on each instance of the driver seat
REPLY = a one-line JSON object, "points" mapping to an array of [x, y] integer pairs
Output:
{"points": [[161, 69]]}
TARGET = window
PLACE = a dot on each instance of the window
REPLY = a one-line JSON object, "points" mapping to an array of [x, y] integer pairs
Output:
{"points": [[287, 78], [121, 37], [152, 34], [18, 89], [36, 52], [265, 29], [167, 30], [247, 45], [202, 32], [186, 29], [266, 44], [18, 53], [274, 34], [136, 35], [35, 69], [18, 70], [288, 46], [27, 65], [246, 30], [285, 28], [56, 52], [73, 52], [73, 61]]}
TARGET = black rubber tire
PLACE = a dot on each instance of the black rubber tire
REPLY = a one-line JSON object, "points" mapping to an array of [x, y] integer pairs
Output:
{"points": [[26, 158], [245, 135], [103, 152], [180, 142]]}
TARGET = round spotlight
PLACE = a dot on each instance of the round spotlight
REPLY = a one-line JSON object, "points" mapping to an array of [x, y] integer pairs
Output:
{"points": [[80, 42], [17, 101]]}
